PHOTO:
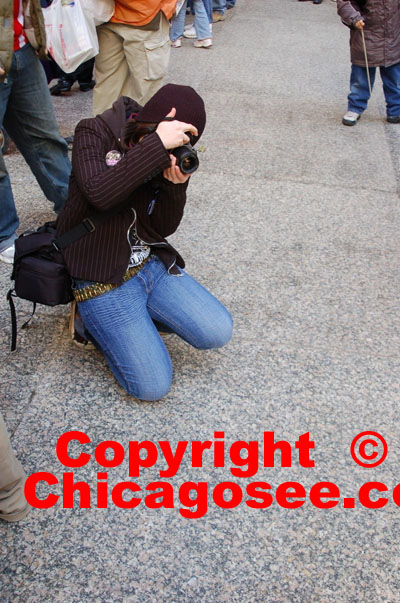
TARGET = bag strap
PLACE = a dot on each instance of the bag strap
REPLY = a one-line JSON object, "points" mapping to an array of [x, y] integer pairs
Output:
{"points": [[83, 228], [92, 222], [10, 296], [13, 320]]}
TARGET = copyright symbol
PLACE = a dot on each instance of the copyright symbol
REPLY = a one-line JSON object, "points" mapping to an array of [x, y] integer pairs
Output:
{"points": [[369, 449]]}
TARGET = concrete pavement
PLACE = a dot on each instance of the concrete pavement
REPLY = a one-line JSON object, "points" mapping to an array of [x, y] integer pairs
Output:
{"points": [[293, 222]]}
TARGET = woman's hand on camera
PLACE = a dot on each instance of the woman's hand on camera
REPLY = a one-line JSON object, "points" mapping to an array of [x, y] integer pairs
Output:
{"points": [[173, 133], [174, 174]]}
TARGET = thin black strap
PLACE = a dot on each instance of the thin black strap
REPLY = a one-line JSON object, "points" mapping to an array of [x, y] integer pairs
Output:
{"points": [[26, 323], [10, 296], [13, 321]]}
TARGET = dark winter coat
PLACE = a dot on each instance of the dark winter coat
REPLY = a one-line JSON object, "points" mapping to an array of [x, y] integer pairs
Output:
{"points": [[381, 31], [131, 184]]}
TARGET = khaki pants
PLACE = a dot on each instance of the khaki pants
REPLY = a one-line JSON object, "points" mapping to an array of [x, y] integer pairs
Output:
{"points": [[13, 505], [131, 62]]}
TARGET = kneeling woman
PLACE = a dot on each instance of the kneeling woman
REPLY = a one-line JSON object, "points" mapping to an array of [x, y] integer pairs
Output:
{"points": [[127, 277]]}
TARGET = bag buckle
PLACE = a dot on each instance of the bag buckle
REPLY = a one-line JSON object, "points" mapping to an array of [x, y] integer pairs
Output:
{"points": [[88, 224]]}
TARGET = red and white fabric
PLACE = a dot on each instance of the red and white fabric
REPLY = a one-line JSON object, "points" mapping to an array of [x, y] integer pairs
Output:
{"points": [[19, 35]]}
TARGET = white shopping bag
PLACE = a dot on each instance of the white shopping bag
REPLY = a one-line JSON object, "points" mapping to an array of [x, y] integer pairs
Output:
{"points": [[71, 34], [100, 10]]}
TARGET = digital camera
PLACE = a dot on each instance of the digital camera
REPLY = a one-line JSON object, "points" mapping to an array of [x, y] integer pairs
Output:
{"points": [[186, 158]]}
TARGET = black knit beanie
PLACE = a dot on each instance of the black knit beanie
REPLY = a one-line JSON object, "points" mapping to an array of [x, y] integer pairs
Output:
{"points": [[188, 104]]}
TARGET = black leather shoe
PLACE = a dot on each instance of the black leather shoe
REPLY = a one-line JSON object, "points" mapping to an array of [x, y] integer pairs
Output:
{"points": [[61, 87], [393, 119], [86, 86]]}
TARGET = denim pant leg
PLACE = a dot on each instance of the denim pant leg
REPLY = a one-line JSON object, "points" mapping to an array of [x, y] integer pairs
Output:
{"points": [[186, 307], [178, 24], [201, 21], [219, 6], [121, 323], [359, 91], [391, 88], [208, 7], [31, 122], [8, 214]]}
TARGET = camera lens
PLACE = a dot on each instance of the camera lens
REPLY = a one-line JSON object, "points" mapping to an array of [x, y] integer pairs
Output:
{"points": [[189, 164], [186, 159]]}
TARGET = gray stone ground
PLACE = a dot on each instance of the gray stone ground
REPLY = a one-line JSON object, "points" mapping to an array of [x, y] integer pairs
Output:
{"points": [[293, 221]]}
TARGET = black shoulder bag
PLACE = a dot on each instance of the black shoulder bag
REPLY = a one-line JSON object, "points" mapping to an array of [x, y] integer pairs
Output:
{"points": [[39, 273]]}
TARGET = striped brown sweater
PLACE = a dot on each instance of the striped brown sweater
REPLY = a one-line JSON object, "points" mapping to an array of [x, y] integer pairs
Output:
{"points": [[131, 184]]}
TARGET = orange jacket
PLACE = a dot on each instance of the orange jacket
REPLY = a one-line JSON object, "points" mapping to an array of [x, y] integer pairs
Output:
{"points": [[141, 12]]}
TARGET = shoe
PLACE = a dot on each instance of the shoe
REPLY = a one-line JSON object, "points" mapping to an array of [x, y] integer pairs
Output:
{"points": [[218, 17], [393, 119], [86, 86], [7, 255], [351, 118], [317, 1], [77, 331], [190, 33], [177, 43], [207, 43], [62, 87]]}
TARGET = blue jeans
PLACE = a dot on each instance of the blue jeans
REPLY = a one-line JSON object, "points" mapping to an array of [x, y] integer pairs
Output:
{"points": [[201, 22], [120, 323], [27, 113], [359, 91], [219, 6]]}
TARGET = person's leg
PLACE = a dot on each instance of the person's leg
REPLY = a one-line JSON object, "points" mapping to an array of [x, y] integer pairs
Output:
{"points": [[84, 75], [391, 88], [218, 10], [186, 307], [119, 324], [147, 54], [219, 6], [8, 214], [208, 7], [359, 92], [31, 122], [64, 80], [178, 24], [201, 22], [111, 67], [13, 505], [49, 69]]}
